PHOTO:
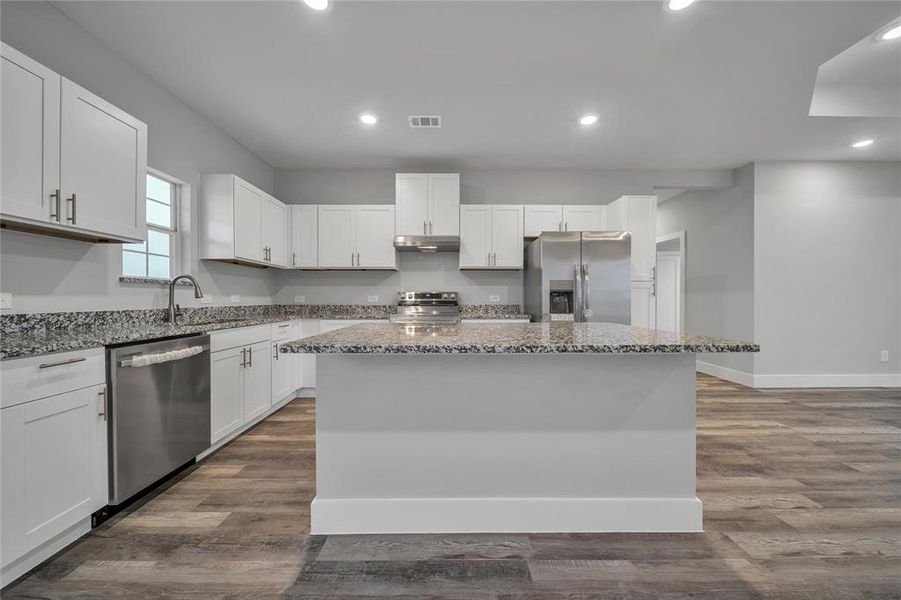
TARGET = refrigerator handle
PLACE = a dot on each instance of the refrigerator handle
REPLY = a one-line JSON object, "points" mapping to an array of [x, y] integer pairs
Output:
{"points": [[586, 310], [577, 292]]}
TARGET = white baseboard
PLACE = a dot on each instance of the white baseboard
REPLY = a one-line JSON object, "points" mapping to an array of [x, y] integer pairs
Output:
{"points": [[733, 375], [25, 563], [851, 380], [504, 515]]}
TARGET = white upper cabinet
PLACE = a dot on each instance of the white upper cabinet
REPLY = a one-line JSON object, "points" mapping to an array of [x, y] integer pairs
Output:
{"points": [[637, 214], [357, 236], [491, 236], [304, 236], [73, 165], [542, 217], [427, 204], [29, 136], [583, 218], [241, 223]]}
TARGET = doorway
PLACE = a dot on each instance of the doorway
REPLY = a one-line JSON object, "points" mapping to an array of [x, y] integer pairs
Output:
{"points": [[670, 282]]}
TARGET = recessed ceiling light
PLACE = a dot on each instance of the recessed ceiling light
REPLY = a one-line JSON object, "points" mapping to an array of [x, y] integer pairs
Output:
{"points": [[863, 143], [680, 4], [891, 34], [317, 4], [588, 120], [368, 119]]}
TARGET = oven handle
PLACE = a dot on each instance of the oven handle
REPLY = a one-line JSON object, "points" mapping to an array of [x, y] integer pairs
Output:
{"points": [[144, 360]]}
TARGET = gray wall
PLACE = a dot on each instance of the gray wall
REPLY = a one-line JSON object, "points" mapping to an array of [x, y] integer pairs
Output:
{"points": [[828, 267], [46, 274], [719, 269]]}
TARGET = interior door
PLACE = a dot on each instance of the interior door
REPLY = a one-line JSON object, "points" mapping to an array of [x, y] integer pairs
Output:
{"points": [[29, 112], [375, 239], [583, 218], [274, 227], [304, 236], [103, 165], [257, 381], [411, 199], [226, 392], [506, 236], [542, 217], [444, 204], [336, 236], [248, 221], [475, 235]]}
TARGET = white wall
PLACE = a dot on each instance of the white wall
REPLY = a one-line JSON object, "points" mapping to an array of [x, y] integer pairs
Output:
{"points": [[719, 269], [47, 274], [828, 272]]}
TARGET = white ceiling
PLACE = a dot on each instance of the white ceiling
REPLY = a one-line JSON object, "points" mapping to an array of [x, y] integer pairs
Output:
{"points": [[717, 85]]}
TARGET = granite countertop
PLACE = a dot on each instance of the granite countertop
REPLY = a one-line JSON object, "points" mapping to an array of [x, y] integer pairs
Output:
{"points": [[36, 334], [510, 338]]}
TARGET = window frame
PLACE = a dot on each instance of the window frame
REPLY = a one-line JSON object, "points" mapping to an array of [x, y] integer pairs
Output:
{"points": [[173, 231]]}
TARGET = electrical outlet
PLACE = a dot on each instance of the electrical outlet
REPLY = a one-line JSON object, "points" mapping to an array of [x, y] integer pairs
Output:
{"points": [[6, 301], [300, 299], [373, 299], [884, 356], [235, 299], [494, 298]]}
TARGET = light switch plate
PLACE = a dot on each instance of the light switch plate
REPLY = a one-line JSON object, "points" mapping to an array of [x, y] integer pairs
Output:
{"points": [[6, 301], [235, 299], [373, 299], [494, 298], [300, 299], [883, 356]]}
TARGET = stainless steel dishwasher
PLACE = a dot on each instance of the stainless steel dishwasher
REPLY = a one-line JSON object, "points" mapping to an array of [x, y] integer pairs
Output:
{"points": [[159, 410]]}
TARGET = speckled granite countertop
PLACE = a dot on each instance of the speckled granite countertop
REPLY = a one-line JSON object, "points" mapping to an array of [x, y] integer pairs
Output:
{"points": [[510, 338], [35, 334]]}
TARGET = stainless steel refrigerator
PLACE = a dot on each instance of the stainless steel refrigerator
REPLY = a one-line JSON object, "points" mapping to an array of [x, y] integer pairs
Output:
{"points": [[581, 276]]}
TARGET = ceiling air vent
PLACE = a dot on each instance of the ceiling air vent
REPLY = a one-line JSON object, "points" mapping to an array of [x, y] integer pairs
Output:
{"points": [[425, 122]]}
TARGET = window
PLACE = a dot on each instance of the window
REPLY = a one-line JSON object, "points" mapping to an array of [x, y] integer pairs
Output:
{"points": [[154, 258]]}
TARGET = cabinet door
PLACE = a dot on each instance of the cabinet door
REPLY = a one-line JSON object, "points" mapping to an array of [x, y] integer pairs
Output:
{"points": [[304, 235], [506, 236], [618, 215], [29, 111], [257, 381], [582, 218], [226, 392], [248, 222], [274, 227], [285, 373], [308, 327], [643, 223], [644, 305], [411, 199], [375, 237], [444, 204], [103, 165], [53, 459], [542, 217], [475, 235], [336, 236]]}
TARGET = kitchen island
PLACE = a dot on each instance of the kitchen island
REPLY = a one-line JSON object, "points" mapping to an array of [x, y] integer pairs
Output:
{"points": [[521, 427]]}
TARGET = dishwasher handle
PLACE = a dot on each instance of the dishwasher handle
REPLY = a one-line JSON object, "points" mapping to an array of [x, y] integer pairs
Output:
{"points": [[144, 360]]}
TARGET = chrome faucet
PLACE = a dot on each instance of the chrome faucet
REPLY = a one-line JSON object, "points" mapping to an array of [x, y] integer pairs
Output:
{"points": [[174, 309]]}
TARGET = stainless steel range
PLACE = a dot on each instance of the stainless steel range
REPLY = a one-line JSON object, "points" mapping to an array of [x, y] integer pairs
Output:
{"points": [[427, 308]]}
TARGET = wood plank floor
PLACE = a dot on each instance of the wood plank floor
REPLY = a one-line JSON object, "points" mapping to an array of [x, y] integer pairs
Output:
{"points": [[802, 500]]}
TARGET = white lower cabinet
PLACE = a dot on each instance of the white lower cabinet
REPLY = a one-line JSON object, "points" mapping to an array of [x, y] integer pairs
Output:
{"points": [[54, 464], [257, 381], [226, 392], [308, 327], [644, 304], [240, 379], [286, 367]]}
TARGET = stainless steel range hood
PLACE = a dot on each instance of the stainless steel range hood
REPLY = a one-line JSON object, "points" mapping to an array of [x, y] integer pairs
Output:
{"points": [[427, 243]]}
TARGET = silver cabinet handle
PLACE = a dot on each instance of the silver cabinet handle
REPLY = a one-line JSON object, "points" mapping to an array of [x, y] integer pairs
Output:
{"points": [[243, 357], [294, 259], [585, 290], [654, 281], [577, 293], [430, 228], [275, 351], [565, 225], [283, 325], [250, 357], [358, 259], [102, 394], [424, 230], [73, 200], [560, 226], [62, 363], [55, 215]]}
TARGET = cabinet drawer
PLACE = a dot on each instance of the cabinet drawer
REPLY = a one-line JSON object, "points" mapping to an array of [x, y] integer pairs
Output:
{"points": [[242, 336], [287, 330], [27, 379]]}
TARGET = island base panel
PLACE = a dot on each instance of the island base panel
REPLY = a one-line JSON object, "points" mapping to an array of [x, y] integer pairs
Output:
{"points": [[505, 443]]}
